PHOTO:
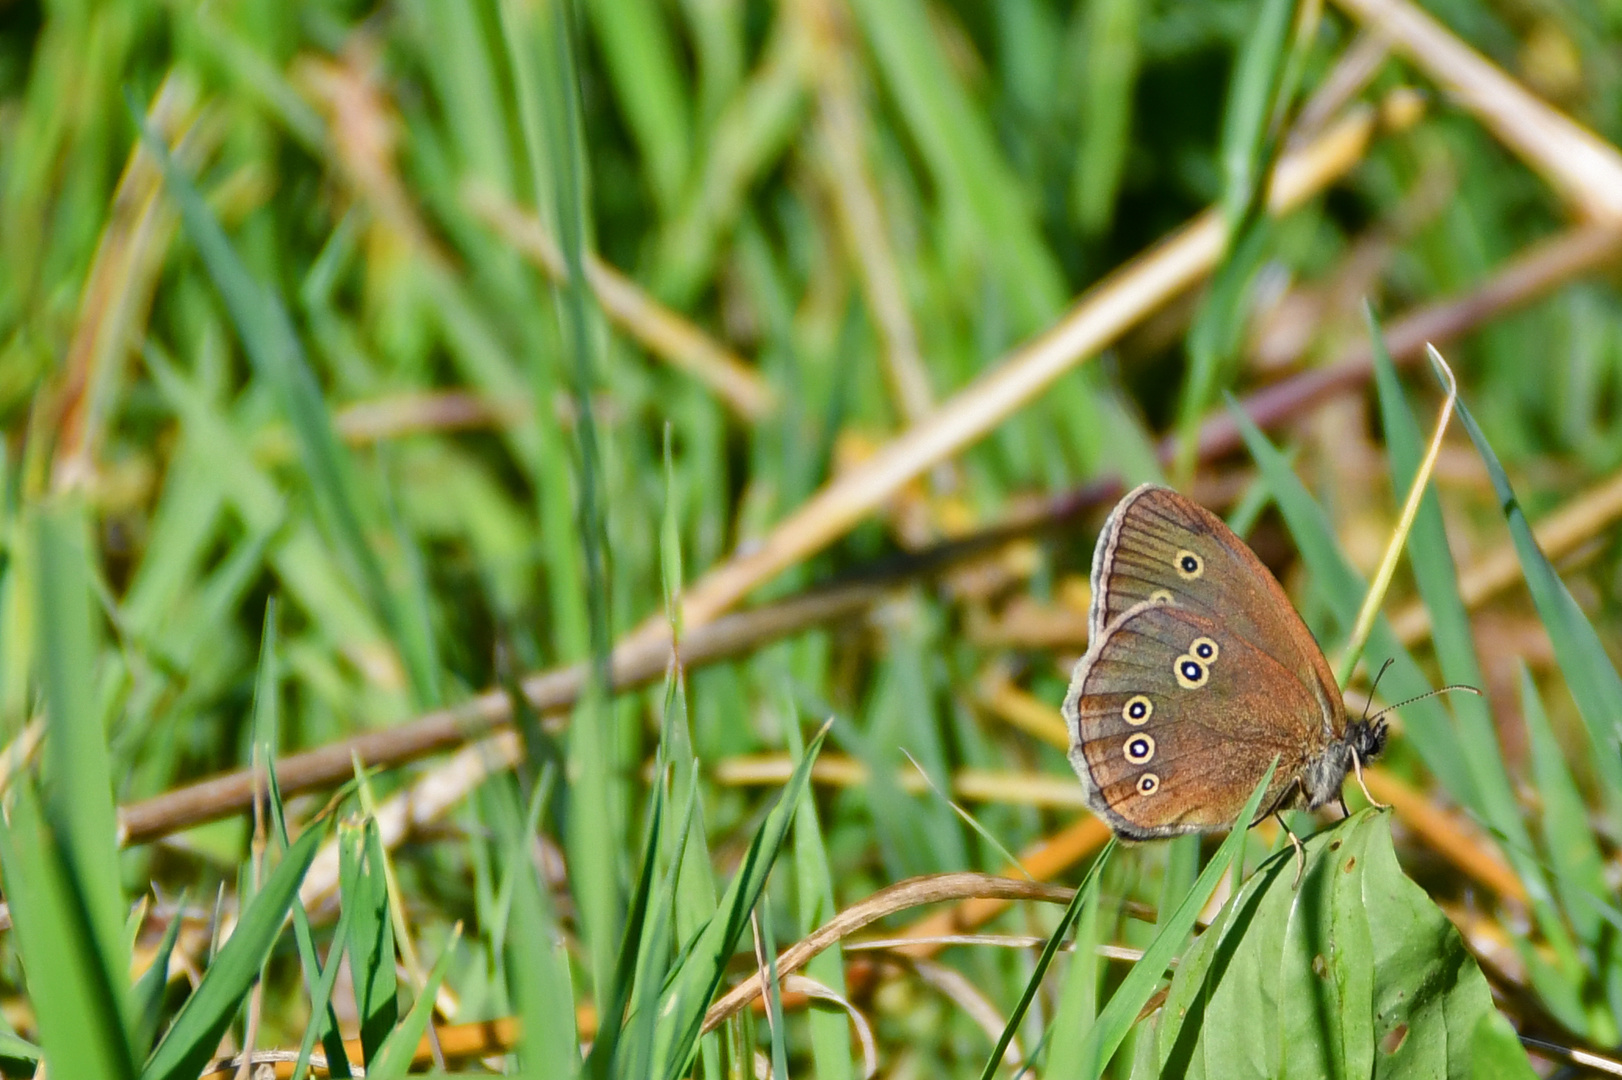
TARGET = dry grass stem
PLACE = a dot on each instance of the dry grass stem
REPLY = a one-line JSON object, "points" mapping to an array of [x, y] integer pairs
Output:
{"points": [[1102, 315], [663, 332], [911, 893], [1585, 169], [976, 785]]}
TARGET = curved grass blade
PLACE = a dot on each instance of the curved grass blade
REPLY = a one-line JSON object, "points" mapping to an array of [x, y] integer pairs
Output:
{"points": [[1437, 577], [1086, 894]]}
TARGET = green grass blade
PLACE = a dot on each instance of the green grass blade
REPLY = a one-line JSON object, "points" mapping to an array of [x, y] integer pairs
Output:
{"points": [[1077, 1008], [692, 985], [1110, 78], [146, 998], [1121, 1013], [538, 969], [321, 1004], [1086, 893], [394, 1057], [361, 887], [77, 781], [75, 999], [543, 57], [1437, 578], [272, 345], [1589, 673], [653, 960], [642, 64], [774, 997], [195, 1034], [611, 1017], [963, 157], [1576, 865], [815, 905], [1251, 108]]}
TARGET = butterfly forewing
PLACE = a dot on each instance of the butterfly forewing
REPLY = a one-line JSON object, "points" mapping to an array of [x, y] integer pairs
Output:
{"points": [[1158, 545]]}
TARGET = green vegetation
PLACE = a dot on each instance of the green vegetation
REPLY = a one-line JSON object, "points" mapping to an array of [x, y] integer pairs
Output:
{"points": [[383, 388]]}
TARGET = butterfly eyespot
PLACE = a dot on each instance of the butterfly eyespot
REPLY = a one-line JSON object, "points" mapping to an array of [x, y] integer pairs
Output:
{"points": [[1189, 565], [1162, 596], [1191, 674], [1204, 648], [1137, 710], [1148, 784], [1139, 749]]}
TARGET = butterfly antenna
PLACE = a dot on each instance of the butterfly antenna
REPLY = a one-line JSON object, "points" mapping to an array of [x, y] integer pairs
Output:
{"points": [[1375, 685], [1429, 694]]}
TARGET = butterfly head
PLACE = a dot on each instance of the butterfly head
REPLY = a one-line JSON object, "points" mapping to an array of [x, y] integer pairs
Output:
{"points": [[1324, 774]]}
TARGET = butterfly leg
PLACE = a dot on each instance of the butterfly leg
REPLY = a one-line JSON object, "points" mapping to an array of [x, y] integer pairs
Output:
{"points": [[1357, 768], [1295, 842]]}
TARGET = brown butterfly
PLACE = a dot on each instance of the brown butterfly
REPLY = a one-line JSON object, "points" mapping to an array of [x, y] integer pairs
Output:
{"points": [[1198, 673]]}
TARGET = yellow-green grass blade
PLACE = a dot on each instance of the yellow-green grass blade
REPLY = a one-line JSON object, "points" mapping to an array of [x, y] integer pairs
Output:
{"points": [[1427, 725]]}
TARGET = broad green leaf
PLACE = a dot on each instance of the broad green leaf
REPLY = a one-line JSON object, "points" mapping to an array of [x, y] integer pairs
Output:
{"points": [[1355, 972]]}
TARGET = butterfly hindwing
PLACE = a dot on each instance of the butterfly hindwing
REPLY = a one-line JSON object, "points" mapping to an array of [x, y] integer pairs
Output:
{"points": [[1174, 718]]}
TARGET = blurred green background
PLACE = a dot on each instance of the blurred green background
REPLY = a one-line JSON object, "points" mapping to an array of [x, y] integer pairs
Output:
{"points": [[340, 366]]}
